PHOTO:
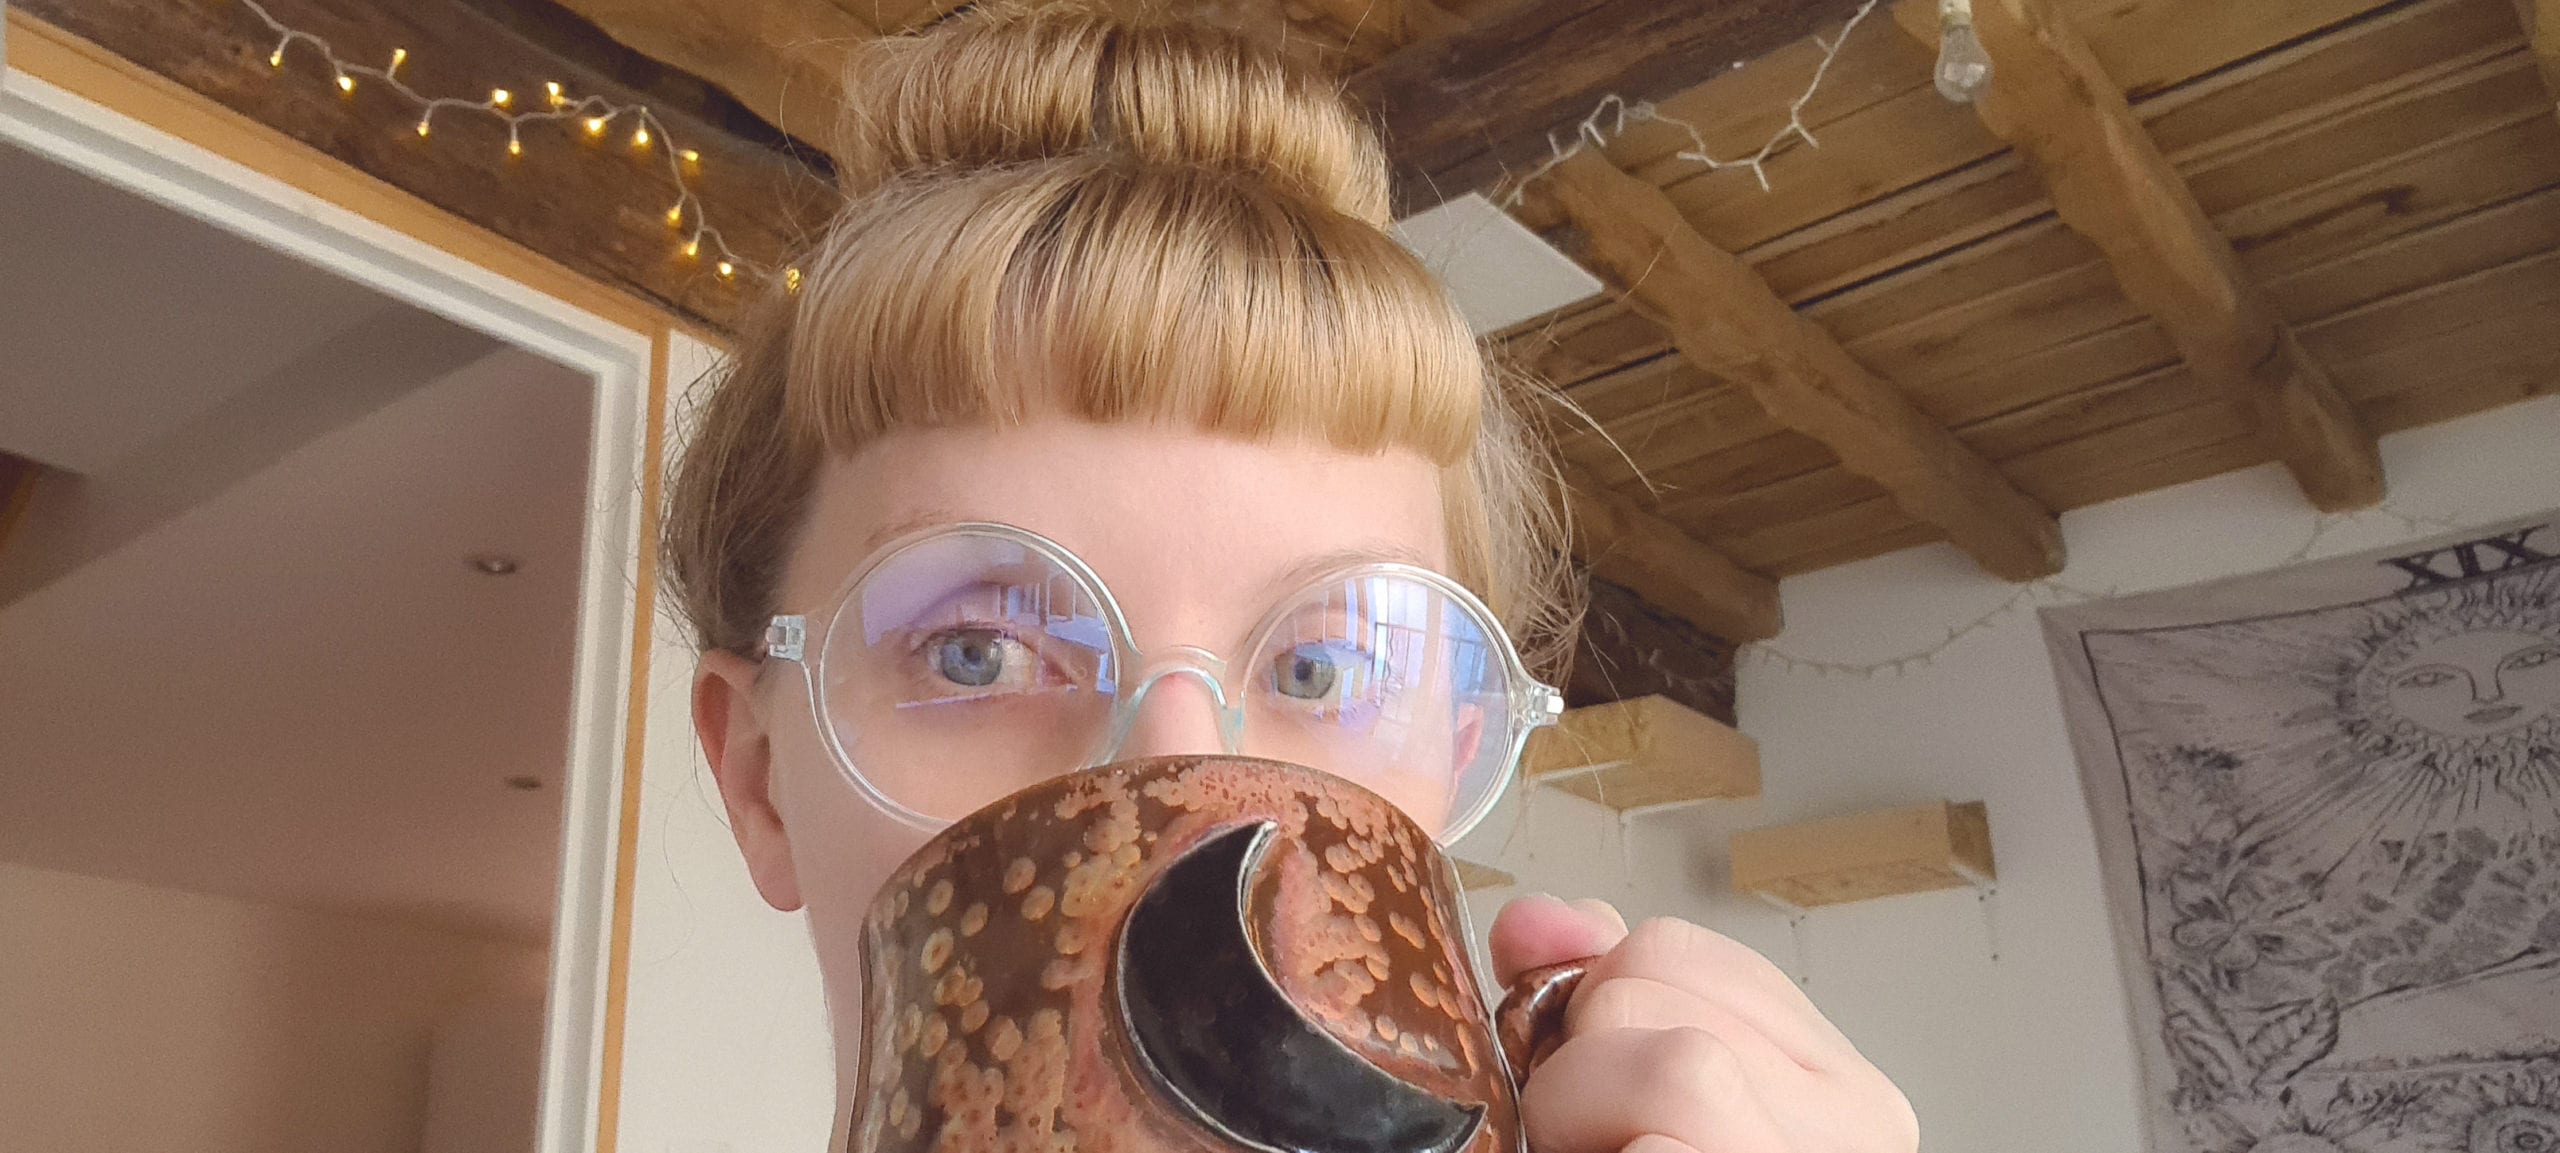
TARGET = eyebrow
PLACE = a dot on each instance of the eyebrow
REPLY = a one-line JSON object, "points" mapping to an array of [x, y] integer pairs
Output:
{"points": [[914, 522], [1288, 580]]}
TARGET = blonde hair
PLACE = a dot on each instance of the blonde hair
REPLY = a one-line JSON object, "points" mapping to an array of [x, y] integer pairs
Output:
{"points": [[1054, 212]]}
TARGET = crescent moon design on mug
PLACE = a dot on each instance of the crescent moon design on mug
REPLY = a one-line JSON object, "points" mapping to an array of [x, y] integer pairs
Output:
{"points": [[1223, 1039]]}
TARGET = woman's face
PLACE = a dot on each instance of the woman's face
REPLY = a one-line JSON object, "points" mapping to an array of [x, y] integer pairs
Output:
{"points": [[2477, 684], [1196, 536]]}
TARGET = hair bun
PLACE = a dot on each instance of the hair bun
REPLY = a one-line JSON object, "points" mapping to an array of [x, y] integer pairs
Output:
{"points": [[1000, 86]]}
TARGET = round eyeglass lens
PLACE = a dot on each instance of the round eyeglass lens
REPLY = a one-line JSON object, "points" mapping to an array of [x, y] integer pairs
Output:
{"points": [[1388, 680], [964, 667]]}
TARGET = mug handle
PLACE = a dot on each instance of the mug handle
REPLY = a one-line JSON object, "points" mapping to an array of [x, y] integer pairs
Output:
{"points": [[1530, 1023]]}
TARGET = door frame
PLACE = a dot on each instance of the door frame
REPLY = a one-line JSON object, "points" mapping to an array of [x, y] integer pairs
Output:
{"points": [[74, 103]]}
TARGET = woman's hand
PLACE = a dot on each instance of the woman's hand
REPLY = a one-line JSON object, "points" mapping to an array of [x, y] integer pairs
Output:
{"points": [[1683, 1041]]}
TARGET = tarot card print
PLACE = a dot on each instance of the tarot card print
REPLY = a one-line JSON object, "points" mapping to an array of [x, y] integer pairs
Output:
{"points": [[2332, 834]]}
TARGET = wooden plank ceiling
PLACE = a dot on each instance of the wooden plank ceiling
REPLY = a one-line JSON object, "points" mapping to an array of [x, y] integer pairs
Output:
{"points": [[2387, 176], [2180, 237]]}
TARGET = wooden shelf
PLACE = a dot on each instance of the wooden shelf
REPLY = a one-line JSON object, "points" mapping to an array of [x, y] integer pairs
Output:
{"points": [[1473, 876], [1945, 845], [1642, 752]]}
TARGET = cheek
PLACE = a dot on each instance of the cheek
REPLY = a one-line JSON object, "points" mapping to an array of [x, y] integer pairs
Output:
{"points": [[842, 848], [2540, 685]]}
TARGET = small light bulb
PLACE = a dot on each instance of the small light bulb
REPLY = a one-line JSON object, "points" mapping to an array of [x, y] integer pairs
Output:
{"points": [[727, 268], [399, 56], [691, 156], [640, 137], [275, 59], [1964, 68], [595, 126], [791, 279], [552, 88], [500, 96], [693, 247], [422, 126], [515, 147], [675, 215], [346, 83]]}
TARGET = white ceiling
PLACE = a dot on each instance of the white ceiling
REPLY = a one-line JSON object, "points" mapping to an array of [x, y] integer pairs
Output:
{"points": [[121, 320], [294, 689]]}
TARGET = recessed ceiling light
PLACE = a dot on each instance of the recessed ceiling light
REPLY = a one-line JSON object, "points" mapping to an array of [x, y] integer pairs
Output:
{"points": [[525, 784], [494, 564]]}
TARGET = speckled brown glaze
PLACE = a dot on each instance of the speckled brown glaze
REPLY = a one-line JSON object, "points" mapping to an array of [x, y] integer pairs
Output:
{"points": [[1530, 1021], [991, 1026]]}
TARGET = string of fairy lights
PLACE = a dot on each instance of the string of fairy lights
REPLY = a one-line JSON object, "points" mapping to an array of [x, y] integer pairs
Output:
{"points": [[597, 116], [1963, 71], [1610, 118], [600, 116], [1962, 74]]}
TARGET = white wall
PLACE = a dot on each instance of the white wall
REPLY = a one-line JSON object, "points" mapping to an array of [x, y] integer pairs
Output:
{"points": [[725, 1041], [484, 1078], [726, 1046], [135, 1019], [2033, 1053]]}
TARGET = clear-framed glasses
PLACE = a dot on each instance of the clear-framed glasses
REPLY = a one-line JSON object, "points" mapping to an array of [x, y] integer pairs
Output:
{"points": [[962, 663]]}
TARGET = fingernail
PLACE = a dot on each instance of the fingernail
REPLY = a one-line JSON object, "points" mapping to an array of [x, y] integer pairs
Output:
{"points": [[1601, 909]]}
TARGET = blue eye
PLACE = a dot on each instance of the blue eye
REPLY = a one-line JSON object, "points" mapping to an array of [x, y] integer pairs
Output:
{"points": [[1305, 672], [977, 657]]}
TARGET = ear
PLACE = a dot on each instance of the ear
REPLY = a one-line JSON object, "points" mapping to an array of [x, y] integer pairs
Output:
{"points": [[734, 739]]}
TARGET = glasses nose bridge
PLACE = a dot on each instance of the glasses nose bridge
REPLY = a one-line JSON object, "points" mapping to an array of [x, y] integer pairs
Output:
{"points": [[1193, 661]]}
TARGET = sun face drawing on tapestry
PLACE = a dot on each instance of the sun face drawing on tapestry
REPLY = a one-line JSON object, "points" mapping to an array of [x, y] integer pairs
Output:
{"points": [[2347, 824]]}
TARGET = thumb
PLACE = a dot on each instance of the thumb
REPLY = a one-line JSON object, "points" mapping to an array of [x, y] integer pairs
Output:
{"points": [[1539, 930]]}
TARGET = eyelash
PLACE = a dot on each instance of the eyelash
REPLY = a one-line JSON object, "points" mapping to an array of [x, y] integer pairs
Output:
{"points": [[921, 649]]}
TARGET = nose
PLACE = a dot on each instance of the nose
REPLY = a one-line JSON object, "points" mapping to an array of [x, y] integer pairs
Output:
{"points": [[1177, 713]]}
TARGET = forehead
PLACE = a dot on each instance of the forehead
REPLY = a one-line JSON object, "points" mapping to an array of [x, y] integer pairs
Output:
{"points": [[1165, 515]]}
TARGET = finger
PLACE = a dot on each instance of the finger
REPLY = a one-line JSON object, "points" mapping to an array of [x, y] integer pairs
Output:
{"points": [[1636, 1003], [1604, 911], [1639, 1003], [1656, 1143], [1643, 1003], [1737, 981], [1540, 930], [1602, 1092]]}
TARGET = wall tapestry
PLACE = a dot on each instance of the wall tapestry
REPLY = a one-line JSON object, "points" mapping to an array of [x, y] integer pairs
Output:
{"points": [[2327, 801]]}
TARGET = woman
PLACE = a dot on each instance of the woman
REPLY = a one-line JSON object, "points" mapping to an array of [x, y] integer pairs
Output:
{"points": [[1112, 343]]}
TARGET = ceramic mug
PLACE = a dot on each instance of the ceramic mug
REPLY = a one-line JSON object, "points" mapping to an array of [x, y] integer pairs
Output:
{"points": [[1187, 955]]}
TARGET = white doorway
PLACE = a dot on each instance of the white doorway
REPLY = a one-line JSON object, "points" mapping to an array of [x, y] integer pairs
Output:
{"points": [[316, 639]]}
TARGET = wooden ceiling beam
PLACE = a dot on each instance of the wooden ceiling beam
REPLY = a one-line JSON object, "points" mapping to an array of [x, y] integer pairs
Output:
{"points": [[783, 60], [2053, 103], [1652, 558], [1726, 319], [1464, 109], [1631, 647], [1461, 106], [595, 207]]}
